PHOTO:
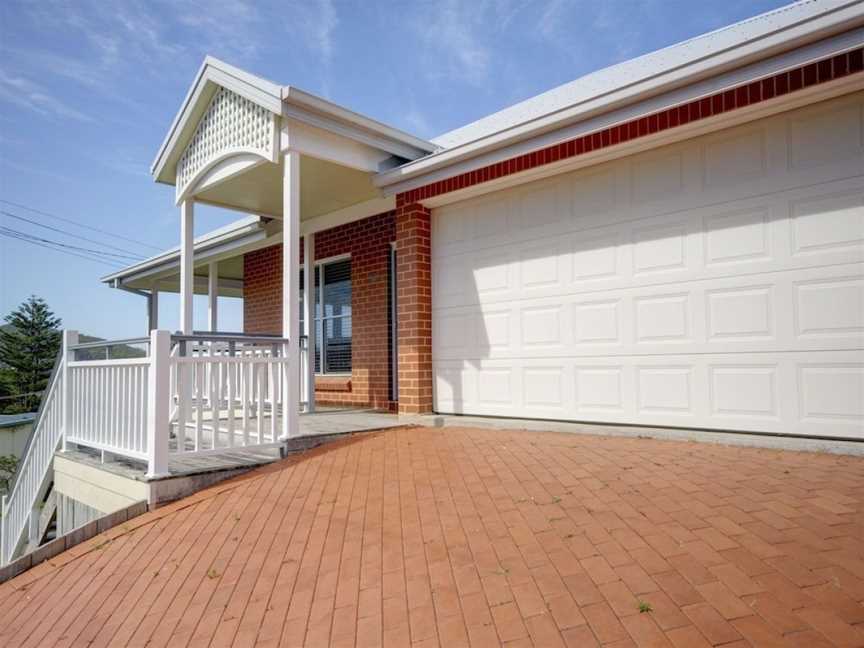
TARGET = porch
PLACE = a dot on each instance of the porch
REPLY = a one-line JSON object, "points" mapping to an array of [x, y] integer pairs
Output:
{"points": [[185, 411]]}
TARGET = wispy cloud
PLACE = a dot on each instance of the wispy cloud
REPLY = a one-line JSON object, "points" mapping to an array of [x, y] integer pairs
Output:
{"points": [[231, 28], [34, 170], [611, 29], [169, 37], [462, 39], [450, 32], [29, 95], [315, 21]]}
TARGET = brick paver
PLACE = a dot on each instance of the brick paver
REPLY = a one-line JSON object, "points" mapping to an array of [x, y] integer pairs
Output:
{"points": [[458, 537]]}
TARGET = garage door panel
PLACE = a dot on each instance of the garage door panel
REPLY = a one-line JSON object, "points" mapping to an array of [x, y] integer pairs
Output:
{"points": [[601, 390], [767, 234], [830, 308], [738, 236], [735, 157], [741, 313], [743, 390], [813, 309], [826, 134], [831, 392], [832, 221], [716, 283], [785, 393]]}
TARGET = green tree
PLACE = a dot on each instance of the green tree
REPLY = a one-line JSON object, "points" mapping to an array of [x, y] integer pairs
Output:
{"points": [[28, 347], [8, 465]]}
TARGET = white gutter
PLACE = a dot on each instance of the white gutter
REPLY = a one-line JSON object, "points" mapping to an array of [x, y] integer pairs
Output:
{"points": [[246, 230], [731, 52]]}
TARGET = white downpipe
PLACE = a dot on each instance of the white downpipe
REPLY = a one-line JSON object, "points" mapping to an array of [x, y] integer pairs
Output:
{"points": [[290, 289], [309, 318]]}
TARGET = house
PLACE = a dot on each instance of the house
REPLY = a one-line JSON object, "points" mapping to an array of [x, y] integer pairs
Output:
{"points": [[14, 430], [674, 241]]}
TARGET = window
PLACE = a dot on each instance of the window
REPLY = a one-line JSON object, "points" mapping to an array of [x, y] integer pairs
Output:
{"points": [[333, 321]]}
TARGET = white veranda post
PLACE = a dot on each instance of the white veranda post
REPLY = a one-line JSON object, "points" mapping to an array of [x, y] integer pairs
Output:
{"points": [[153, 309], [309, 318], [187, 292], [290, 296], [187, 279], [213, 296]]}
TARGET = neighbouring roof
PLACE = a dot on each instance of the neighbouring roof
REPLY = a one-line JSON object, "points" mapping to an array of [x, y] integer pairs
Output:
{"points": [[14, 420], [616, 77]]}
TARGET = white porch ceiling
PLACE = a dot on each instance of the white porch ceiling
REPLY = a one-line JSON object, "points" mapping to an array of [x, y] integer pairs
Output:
{"points": [[324, 187]]}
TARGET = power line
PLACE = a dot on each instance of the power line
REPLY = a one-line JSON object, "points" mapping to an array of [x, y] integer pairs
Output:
{"points": [[80, 256], [25, 235], [75, 254], [83, 238], [60, 247], [77, 224]]}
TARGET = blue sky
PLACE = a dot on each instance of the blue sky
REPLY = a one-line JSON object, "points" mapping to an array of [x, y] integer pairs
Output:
{"points": [[89, 88]]}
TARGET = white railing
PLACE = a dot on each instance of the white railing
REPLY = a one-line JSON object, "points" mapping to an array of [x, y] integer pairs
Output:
{"points": [[18, 506], [187, 395], [108, 409], [228, 393]]}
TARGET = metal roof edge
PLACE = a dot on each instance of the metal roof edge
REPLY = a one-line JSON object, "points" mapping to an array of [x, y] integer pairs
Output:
{"points": [[237, 230]]}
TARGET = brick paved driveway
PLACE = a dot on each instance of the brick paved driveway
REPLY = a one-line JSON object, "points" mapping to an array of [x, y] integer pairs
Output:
{"points": [[460, 536]]}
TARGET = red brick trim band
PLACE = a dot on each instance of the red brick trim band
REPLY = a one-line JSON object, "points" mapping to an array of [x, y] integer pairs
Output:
{"points": [[748, 94]]}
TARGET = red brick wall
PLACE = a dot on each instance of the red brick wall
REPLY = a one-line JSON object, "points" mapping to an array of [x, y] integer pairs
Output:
{"points": [[262, 291], [368, 243], [414, 300]]}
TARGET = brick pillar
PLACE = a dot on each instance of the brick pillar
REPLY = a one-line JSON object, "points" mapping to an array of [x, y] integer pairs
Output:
{"points": [[414, 299]]}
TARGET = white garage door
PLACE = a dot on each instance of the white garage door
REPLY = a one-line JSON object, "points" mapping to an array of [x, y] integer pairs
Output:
{"points": [[716, 283]]}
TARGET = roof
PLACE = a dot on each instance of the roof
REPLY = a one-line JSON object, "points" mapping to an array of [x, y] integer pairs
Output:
{"points": [[615, 77], [14, 420], [233, 233], [276, 98]]}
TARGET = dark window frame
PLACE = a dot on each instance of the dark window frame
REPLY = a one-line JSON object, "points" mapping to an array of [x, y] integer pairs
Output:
{"points": [[322, 368]]}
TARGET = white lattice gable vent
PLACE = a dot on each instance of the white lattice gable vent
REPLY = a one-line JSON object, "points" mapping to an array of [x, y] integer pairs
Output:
{"points": [[231, 125]]}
